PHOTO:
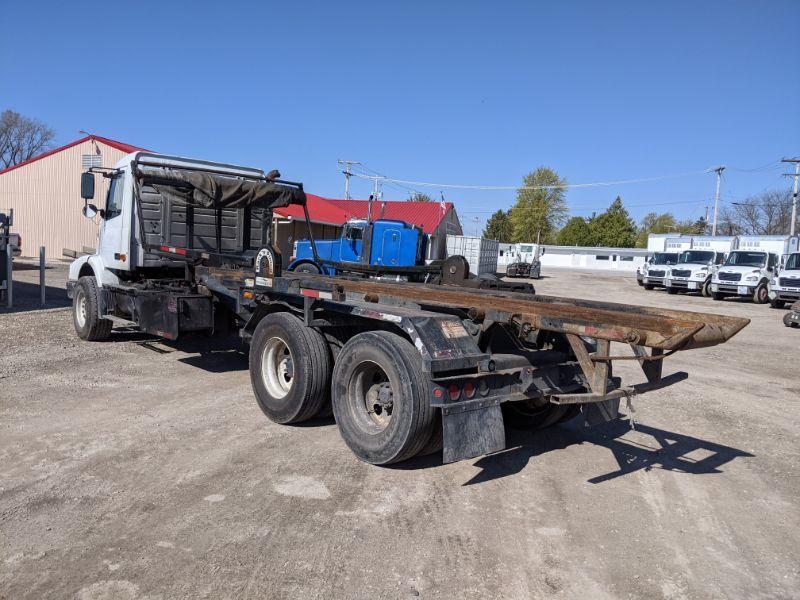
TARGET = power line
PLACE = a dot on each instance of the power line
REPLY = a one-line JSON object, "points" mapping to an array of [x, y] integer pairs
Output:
{"points": [[536, 187]]}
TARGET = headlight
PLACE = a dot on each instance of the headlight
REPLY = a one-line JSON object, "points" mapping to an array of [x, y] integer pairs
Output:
{"points": [[774, 281], [751, 278]]}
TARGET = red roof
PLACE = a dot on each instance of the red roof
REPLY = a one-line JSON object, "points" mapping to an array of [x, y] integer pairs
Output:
{"points": [[427, 215], [320, 210], [127, 148]]}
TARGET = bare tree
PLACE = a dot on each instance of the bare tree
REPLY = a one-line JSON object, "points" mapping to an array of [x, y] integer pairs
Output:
{"points": [[22, 138], [767, 213]]}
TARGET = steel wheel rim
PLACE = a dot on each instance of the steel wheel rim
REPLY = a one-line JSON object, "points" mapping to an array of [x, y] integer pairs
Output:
{"points": [[277, 368], [371, 397], [80, 309]]}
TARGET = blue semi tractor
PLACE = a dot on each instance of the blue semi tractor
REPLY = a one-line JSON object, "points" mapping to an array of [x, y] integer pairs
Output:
{"points": [[382, 246]]}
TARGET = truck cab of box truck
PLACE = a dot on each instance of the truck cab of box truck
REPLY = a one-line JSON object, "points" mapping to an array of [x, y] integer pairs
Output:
{"points": [[749, 269], [654, 271], [784, 287], [693, 271], [383, 242]]}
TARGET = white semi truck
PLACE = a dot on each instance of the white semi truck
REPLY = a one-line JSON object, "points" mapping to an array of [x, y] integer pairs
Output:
{"points": [[784, 287], [749, 269], [696, 267]]}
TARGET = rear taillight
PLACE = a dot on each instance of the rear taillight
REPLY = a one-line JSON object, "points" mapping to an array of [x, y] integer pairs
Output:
{"points": [[454, 391], [469, 389]]}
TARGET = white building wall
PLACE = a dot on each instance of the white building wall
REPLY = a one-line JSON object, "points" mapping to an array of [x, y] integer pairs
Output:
{"points": [[46, 198]]}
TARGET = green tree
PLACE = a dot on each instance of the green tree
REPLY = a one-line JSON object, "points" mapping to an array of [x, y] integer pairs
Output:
{"points": [[498, 227], [575, 233], [613, 228], [419, 197], [654, 223], [540, 208]]}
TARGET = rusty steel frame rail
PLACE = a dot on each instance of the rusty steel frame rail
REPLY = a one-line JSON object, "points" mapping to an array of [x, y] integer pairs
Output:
{"points": [[636, 325]]}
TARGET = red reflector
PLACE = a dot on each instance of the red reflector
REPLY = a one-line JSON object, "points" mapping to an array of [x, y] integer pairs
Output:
{"points": [[172, 250], [454, 391], [469, 389], [438, 392]]}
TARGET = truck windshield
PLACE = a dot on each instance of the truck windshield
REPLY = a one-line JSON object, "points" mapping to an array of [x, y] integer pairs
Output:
{"points": [[695, 256], [746, 259], [793, 264], [664, 258], [525, 248]]}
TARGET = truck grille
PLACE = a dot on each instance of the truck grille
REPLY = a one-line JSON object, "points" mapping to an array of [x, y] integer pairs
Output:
{"points": [[681, 273], [730, 276], [655, 273], [789, 281]]}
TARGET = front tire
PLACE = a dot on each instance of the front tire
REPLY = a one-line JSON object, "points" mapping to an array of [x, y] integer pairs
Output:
{"points": [[381, 399], [309, 268], [649, 286], [705, 291], [761, 295], [717, 295], [85, 312], [290, 368], [672, 290], [777, 303]]}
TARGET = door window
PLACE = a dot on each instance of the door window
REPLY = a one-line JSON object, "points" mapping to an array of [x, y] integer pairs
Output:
{"points": [[114, 199]]}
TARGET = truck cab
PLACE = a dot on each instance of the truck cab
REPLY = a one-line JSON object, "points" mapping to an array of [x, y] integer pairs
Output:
{"points": [[381, 243], [693, 271], [785, 284], [746, 273], [654, 271]]}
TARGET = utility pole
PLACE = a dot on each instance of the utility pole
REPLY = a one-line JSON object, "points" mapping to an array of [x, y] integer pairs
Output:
{"points": [[477, 220], [347, 164], [796, 176], [718, 171]]}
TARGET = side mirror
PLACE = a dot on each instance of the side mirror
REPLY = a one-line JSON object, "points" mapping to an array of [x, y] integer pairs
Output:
{"points": [[87, 186], [90, 211]]}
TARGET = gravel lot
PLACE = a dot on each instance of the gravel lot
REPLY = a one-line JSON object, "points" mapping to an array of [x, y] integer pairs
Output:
{"points": [[135, 469]]}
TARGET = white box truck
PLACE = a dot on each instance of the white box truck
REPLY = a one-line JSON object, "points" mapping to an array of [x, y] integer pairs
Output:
{"points": [[749, 269], [696, 266], [655, 269], [785, 285]]}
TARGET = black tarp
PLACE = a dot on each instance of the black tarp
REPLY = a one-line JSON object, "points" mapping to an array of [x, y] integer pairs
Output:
{"points": [[212, 190]]}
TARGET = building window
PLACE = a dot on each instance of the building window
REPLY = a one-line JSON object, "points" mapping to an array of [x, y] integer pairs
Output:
{"points": [[91, 160], [626, 258], [601, 257]]}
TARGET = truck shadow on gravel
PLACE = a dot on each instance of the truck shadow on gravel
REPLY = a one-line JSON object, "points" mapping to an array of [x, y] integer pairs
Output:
{"points": [[663, 449], [26, 297]]}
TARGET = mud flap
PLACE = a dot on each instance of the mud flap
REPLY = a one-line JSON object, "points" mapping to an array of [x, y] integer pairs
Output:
{"points": [[470, 432], [598, 413]]}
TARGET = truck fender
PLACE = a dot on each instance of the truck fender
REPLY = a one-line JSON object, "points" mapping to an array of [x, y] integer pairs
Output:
{"points": [[92, 265]]}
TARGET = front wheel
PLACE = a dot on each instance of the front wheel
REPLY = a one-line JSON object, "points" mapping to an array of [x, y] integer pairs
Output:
{"points": [[85, 311], [649, 286], [290, 368], [777, 303], [705, 291], [761, 295], [381, 399], [309, 268], [672, 290], [717, 295]]}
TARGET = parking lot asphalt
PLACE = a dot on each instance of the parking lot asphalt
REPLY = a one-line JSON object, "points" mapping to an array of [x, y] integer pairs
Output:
{"points": [[136, 469]]}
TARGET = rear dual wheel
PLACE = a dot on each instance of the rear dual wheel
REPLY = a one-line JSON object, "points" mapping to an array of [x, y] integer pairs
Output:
{"points": [[290, 369], [381, 401]]}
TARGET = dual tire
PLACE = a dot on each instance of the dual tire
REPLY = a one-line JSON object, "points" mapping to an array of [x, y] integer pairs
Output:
{"points": [[380, 402]]}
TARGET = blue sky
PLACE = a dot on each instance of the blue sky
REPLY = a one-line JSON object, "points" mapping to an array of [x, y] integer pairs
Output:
{"points": [[453, 92]]}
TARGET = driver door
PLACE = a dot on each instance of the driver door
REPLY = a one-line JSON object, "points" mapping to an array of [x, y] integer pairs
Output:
{"points": [[114, 235]]}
